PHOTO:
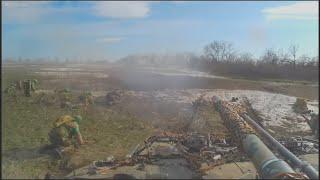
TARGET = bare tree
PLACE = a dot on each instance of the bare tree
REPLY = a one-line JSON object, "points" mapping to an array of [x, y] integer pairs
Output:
{"points": [[270, 57], [219, 50], [293, 49], [246, 57], [304, 60], [212, 51], [315, 61], [283, 56]]}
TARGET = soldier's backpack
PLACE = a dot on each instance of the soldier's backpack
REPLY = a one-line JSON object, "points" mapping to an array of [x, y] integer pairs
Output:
{"points": [[58, 136]]}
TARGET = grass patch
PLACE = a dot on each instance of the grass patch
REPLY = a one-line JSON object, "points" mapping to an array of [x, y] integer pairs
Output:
{"points": [[25, 127], [25, 169]]}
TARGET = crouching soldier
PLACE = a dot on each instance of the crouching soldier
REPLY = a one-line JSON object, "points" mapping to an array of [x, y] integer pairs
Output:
{"points": [[65, 134]]}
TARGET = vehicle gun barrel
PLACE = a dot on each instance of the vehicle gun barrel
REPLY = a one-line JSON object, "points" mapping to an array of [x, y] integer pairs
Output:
{"points": [[266, 163], [296, 162]]}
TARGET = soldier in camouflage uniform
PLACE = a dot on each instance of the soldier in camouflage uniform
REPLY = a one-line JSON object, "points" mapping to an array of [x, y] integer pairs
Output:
{"points": [[87, 99], [19, 85], [65, 97], [66, 133], [29, 86], [34, 83]]}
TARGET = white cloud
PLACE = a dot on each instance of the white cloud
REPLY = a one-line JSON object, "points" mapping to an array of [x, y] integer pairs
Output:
{"points": [[35, 11], [110, 40], [122, 9], [299, 11], [24, 11]]}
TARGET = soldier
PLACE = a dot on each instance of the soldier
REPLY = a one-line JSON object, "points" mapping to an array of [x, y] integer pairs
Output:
{"points": [[86, 99], [65, 97], [65, 133], [29, 86], [19, 85], [313, 123], [34, 82]]}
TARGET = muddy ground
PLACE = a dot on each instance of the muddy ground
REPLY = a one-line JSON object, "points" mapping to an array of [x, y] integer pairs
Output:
{"points": [[152, 100]]}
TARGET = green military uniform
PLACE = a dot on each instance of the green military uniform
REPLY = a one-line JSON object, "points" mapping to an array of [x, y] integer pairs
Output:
{"points": [[19, 85], [59, 136], [65, 130], [29, 86], [34, 82]]}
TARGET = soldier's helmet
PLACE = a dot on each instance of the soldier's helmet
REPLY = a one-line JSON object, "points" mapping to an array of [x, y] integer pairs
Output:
{"points": [[78, 119]]}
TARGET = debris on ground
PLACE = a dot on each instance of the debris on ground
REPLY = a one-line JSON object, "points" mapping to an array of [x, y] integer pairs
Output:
{"points": [[113, 97], [299, 145]]}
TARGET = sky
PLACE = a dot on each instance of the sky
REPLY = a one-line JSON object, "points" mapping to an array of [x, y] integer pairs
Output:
{"points": [[114, 29]]}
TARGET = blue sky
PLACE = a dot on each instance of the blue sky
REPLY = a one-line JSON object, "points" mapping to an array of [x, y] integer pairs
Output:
{"points": [[112, 30]]}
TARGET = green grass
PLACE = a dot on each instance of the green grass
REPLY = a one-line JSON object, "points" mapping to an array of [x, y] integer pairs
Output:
{"points": [[25, 126], [12, 74], [25, 169]]}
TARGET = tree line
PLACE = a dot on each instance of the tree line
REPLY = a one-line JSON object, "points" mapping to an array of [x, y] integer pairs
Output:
{"points": [[221, 58]]}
